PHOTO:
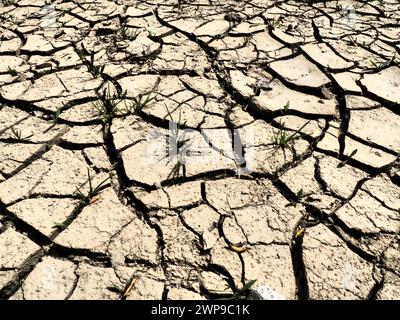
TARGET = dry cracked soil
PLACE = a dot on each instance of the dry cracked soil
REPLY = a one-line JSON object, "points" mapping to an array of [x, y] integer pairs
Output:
{"points": [[181, 149]]}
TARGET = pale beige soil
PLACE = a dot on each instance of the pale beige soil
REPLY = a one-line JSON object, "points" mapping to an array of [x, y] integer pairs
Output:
{"points": [[318, 219]]}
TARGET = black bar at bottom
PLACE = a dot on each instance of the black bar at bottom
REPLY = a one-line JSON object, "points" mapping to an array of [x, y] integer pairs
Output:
{"points": [[248, 309]]}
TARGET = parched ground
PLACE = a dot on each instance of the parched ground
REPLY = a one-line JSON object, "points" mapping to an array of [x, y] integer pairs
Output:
{"points": [[282, 167]]}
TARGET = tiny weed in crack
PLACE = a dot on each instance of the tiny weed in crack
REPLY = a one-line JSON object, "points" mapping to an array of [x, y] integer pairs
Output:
{"points": [[242, 293], [142, 102], [60, 226], [177, 147], [17, 135], [12, 71], [107, 106], [93, 191], [126, 33], [299, 197], [283, 139]]}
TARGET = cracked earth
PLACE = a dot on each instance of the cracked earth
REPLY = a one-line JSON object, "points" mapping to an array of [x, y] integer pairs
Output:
{"points": [[290, 174]]}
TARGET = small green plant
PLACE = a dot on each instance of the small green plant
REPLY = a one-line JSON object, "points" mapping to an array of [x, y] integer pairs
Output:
{"points": [[382, 64], [59, 226], [177, 147], [95, 70], [126, 33], [299, 197], [283, 139], [142, 102], [93, 191], [277, 22], [115, 288], [286, 108], [54, 118], [12, 71], [241, 294], [17, 134], [56, 115], [343, 163], [107, 106]]}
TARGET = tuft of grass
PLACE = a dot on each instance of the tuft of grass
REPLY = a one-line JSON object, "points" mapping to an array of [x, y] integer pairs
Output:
{"points": [[107, 106], [241, 294], [93, 190], [12, 71], [283, 139], [53, 121], [56, 115], [299, 197], [178, 167], [143, 101], [177, 147], [17, 134], [286, 108], [126, 33], [59, 225], [95, 70], [383, 64]]}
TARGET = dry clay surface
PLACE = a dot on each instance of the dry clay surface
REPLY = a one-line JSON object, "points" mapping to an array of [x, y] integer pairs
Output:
{"points": [[287, 165]]}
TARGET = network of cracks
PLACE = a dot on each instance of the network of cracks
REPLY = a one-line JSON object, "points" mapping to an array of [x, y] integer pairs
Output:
{"points": [[280, 171]]}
